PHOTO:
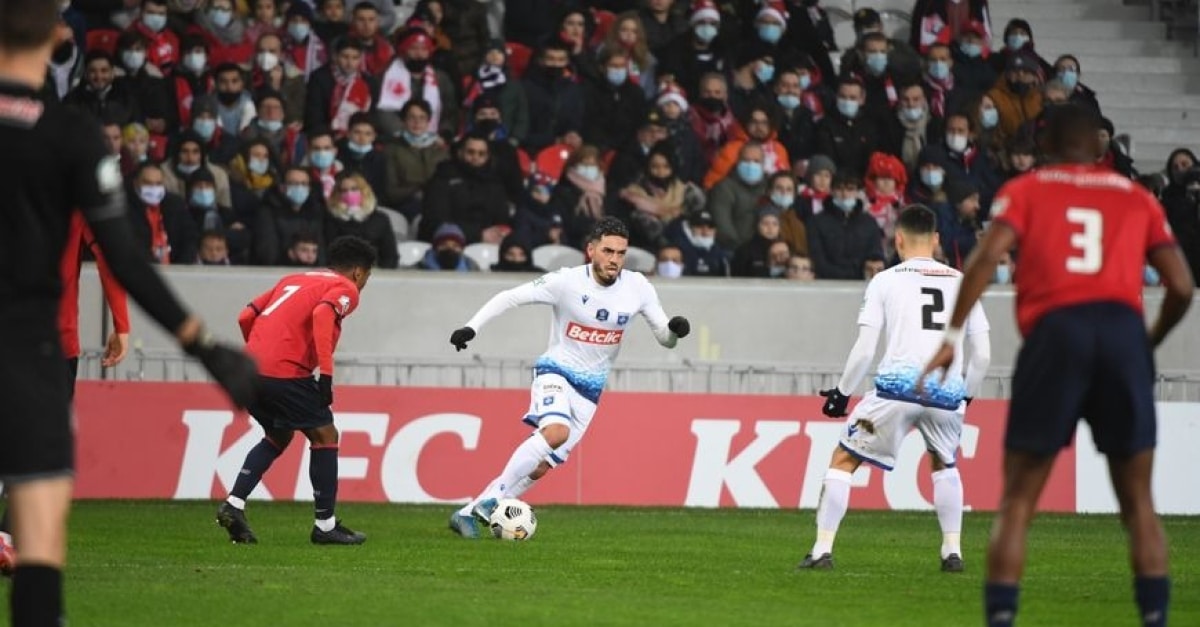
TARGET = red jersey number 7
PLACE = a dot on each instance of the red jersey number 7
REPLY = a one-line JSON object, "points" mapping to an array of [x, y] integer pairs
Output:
{"points": [[288, 291]]}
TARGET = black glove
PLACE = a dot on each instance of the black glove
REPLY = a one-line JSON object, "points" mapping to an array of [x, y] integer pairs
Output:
{"points": [[680, 326], [234, 370], [325, 385], [460, 337], [835, 403]]}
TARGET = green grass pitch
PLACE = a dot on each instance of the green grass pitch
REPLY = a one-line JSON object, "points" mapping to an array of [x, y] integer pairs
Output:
{"points": [[168, 563]]}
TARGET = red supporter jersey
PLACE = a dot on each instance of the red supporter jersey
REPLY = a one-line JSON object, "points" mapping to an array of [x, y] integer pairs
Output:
{"points": [[281, 339], [1083, 234]]}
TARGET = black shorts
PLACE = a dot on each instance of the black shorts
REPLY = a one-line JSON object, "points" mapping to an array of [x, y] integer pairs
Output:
{"points": [[1091, 361], [290, 404], [36, 439]]}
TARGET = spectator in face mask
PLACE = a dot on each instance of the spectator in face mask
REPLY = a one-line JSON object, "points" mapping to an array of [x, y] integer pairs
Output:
{"points": [[1181, 200], [847, 135], [699, 50], [225, 32], [615, 104], [734, 201], [287, 141], [159, 219], [627, 34], [885, 184], [757, 126], [272, 74], [942, 21], [781, 195], [255, 168], [750, 80], [1067, 70], [712, 119], [810, 32], [163, 49], [913, 126], [814, 194], [291, 209], [447, 252], [580, 195], [145, 81], [1017, 94], [515, 256], [192, 78], [941, 91], [656, 198], [1018, 41], [696, 237], [1112, 153], [209, 216], [903, 60], [411, 76], [303, 48], [669, 262], [673, 107], [189, 156], [752, 258], [796, 127], [352, 211], [265, 18], [220, 145], [844, 238], [556, 104], [412, 159], [879, 79], [359, 151], [959, 156], [973, 74], [630, 161], [986, 119]]}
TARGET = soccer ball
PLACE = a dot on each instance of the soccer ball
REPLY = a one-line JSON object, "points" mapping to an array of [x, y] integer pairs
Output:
{"points": [[513, 519]]}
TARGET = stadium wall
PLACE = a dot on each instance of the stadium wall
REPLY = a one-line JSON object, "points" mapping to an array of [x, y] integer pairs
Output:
{"points": [[407, 316], [439, 445]]}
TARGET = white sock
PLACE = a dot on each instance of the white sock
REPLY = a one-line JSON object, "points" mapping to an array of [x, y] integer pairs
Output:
{"points": [[835, 499], [520, 487], [524, 461], [236, 502], [326, 524], [948, 501]]}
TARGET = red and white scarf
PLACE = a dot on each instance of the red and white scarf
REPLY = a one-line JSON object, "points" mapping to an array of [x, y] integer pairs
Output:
{"points": [[351, 94], [939, 89], [397, 90], [160, 246]]}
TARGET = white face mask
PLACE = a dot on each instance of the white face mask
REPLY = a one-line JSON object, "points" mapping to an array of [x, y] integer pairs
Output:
{"points": [[152, 194], [670, 269], [957, 143], [704, 242], [268, 61]]}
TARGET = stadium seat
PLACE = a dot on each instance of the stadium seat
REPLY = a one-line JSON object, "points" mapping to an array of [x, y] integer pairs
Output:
{"points": [[843, 34], [518, 58], [551, 257], [640, 260], [399, 223], [484, 255], [102, 39], [411, 252]]}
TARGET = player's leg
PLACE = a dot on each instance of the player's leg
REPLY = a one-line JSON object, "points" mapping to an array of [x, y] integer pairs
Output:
{"points": [[550, 411], [268, 410], [1121, 412], [582, 411], [872, 434], [1050, 383], [942, 432], [40, 509], [323, 473]]}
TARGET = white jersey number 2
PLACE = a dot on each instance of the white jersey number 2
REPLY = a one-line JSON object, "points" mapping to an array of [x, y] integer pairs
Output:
{"points": [[1087, 241]]}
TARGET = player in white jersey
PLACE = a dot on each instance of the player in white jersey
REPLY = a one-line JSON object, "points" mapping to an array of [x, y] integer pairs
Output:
{"points": [[593, 306], [908, 304]]}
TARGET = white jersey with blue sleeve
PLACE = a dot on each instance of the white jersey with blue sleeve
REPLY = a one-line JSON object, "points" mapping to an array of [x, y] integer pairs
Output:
{"points": [[589, 321], [911, 304]]}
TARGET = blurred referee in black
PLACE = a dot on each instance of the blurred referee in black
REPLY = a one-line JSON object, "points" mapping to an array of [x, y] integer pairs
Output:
{"points": [[54, 161]]}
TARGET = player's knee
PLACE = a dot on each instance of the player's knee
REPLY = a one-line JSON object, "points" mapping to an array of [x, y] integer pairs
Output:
{"points": [[323, 435], [556, 434]]}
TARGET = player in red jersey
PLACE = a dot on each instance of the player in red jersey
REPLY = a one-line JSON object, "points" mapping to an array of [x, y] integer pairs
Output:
{"points": [[292, 330], [1084, 235]]}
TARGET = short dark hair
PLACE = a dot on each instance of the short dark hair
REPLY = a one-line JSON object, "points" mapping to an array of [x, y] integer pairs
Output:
{"points": [[364, 6], [846, 178], [304, 237], [1069, 127], [350, 251], [361, 117], [917, 219], [213, 234], [873, 36], [27, 24], [226, 68], [416, 103], [608, 226]]}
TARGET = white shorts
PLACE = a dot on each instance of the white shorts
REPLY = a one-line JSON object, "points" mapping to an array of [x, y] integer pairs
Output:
{"points": [[553, 401], [877, 426]]}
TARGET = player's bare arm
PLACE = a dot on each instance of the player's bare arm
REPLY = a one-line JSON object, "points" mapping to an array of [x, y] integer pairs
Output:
{"points": [[1179, 284]]}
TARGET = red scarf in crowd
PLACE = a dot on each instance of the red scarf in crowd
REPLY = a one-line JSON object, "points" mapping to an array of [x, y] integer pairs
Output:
{"points": [[160, 245], [351, 94]]}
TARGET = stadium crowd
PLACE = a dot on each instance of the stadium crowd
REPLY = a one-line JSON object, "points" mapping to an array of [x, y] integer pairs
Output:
{"points": [[255, 131]]}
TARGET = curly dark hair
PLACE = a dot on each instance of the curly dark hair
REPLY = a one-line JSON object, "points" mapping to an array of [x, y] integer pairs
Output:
{"points": [[608, 226], [349, 252]]}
